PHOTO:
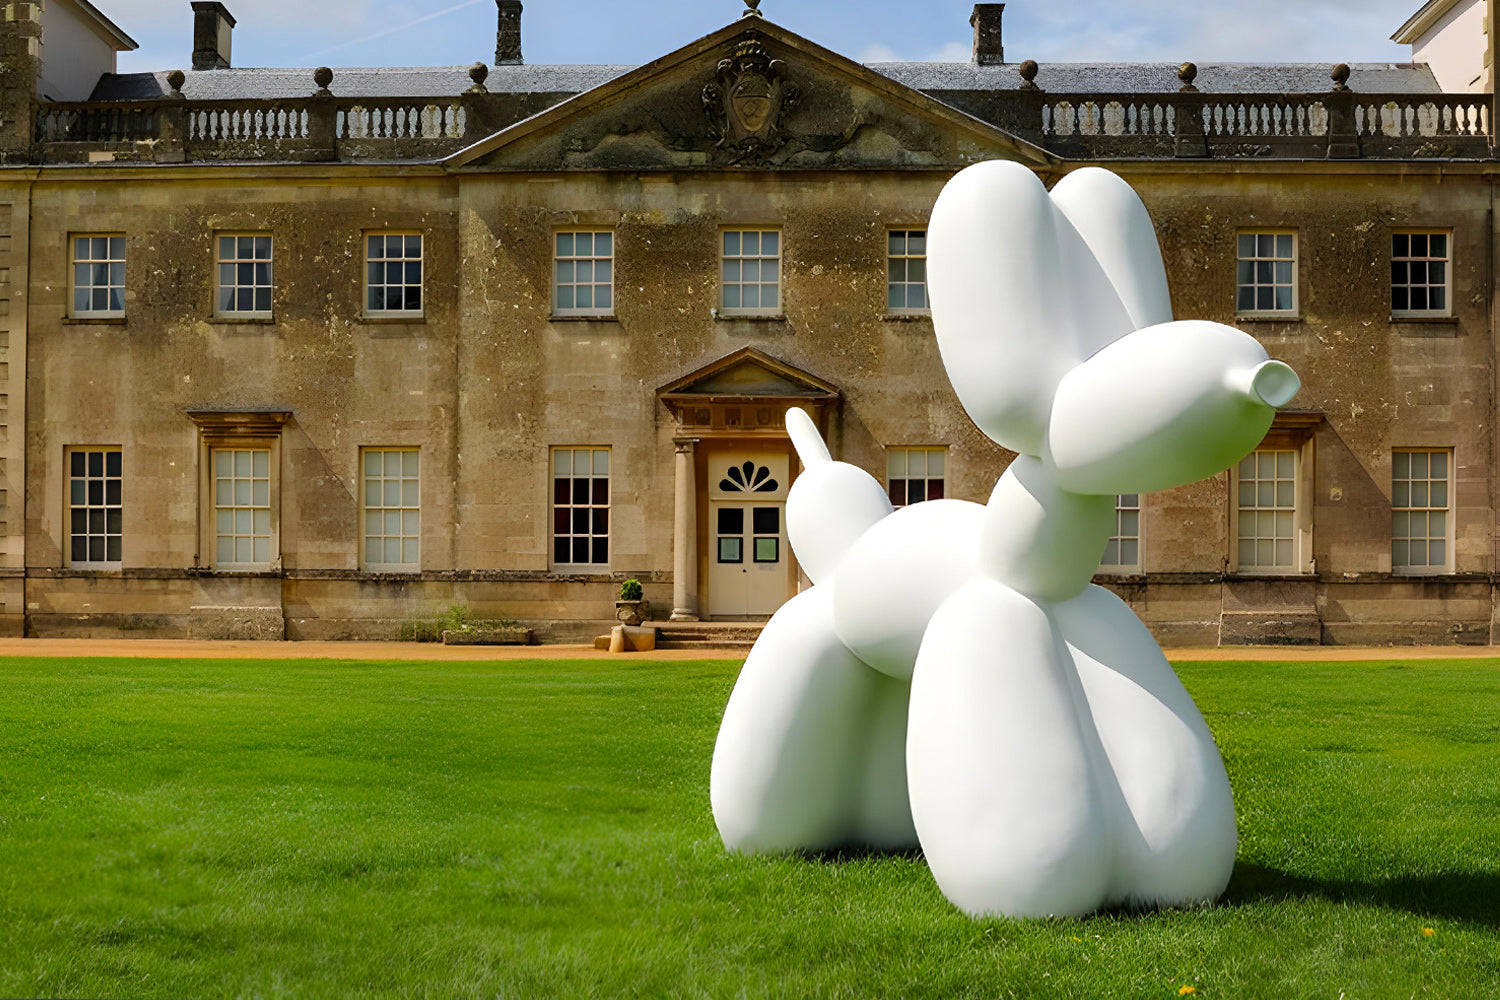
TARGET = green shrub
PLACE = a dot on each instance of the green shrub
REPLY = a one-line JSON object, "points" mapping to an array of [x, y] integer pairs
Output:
{"points": [[630, 590]]}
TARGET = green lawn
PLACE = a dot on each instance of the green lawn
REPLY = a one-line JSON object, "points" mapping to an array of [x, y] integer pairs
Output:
{"points": [[521, 829]]}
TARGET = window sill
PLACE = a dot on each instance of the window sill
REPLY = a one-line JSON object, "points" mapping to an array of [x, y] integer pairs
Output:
{"points": [[389, 571], [906, 317], [385, 320], [1251, 574], [583, 318], [248, 571], [1268, 317], [242, 320], [96, 570], [93, 321], [1420, 574], [1419, 318], [739, 317]]}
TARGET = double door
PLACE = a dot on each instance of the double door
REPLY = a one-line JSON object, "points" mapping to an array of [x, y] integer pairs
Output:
{"points": [[748, 565]]}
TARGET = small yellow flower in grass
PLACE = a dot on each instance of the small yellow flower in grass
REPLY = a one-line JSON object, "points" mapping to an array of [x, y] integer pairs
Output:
{"points": [[1072, 938], [1186, 990], [1428, 932]]}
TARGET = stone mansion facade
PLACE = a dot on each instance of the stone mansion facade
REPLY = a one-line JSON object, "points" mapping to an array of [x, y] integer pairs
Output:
{"points": [[308, 353]]}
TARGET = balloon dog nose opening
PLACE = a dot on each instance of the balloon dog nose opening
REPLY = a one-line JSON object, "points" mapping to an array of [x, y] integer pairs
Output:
{"points": [[1275, 383], [1270, 382]]}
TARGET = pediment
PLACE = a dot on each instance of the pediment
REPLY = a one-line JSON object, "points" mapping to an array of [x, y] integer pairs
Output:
{"points": [[748, 375], [752, 95]]}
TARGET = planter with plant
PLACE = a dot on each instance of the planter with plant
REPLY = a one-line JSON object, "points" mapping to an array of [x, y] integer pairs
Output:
{"points": [[632, 608]]}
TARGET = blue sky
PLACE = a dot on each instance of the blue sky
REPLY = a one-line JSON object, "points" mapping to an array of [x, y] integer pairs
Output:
{"points": [[457, 32]]}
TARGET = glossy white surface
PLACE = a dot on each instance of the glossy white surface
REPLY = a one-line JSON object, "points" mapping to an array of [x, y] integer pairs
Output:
{"points": [[1053, 763]]}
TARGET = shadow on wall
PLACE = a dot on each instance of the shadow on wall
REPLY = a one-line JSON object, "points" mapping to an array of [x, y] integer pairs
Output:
{"points": [[1473, 897]]}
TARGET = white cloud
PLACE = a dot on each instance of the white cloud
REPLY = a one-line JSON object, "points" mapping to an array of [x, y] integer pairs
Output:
{"points": [[952, 52], [877, 53]]}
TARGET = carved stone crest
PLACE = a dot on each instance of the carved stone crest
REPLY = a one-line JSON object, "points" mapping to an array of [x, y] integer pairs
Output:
{"points": [[746, 101]]}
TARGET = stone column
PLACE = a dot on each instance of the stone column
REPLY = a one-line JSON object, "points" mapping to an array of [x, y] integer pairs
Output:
{"points": [[685, 536]]}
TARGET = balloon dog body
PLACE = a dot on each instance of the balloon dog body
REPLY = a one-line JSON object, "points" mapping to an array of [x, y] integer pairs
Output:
{"points": [[953, 679]]}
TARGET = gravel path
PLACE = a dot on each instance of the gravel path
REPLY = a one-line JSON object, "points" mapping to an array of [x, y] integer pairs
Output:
{"points": [[199, 649]]}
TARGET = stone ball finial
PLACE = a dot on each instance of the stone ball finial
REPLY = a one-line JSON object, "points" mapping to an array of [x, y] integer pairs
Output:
{"points": [[1340, 76], [175, 80], [1028, 71], [478, 72], [1187, 73], [322, 76]]}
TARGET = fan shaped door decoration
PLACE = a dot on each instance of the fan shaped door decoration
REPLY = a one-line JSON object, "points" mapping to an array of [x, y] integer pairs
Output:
{"points": [[749, 478]]}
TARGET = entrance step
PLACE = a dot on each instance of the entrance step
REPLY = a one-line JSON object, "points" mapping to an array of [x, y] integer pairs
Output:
{"points": [[706, 635]]}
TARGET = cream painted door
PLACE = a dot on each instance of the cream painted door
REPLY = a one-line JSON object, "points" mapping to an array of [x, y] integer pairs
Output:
{"points": [[748, 571]]}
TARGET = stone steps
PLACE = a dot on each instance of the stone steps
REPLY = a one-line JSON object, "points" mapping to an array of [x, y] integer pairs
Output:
{"points": [[706, 635]]}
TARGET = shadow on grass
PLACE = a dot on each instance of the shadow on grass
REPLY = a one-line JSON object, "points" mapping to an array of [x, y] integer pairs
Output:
{"points": [[1468, 896]]}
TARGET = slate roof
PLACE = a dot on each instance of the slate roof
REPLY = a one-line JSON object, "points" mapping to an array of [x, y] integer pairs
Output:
{"points": [[450, 81], [421, 81], [1213, 78]]}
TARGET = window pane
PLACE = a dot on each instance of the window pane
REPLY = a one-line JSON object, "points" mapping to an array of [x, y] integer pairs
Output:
{"points": [[767, 550], [766, 520], [770, 244]]}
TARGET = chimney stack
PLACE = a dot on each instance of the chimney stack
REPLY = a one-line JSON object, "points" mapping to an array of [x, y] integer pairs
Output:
{"points": [[508, 33], [986, 21], [212, 25]]}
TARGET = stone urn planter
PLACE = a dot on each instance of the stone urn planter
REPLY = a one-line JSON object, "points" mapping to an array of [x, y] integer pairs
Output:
{"points": [[633, 612]]}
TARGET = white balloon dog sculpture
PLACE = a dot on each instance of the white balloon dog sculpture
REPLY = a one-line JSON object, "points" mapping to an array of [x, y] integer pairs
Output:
{"points": [[953, 679]]}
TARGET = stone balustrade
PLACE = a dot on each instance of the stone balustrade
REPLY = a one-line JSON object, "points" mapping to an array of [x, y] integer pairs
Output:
{"points": [[1336, 124]]}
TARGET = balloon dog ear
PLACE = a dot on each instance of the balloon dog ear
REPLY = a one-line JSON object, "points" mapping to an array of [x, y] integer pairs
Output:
{"points": [[1025, 285]]}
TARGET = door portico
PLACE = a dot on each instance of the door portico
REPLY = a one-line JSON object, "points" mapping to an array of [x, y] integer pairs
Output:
{"points": [[734, 464]]}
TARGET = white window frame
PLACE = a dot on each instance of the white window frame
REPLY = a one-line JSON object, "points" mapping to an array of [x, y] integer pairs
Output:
{"points": [[217, 508], [899, 469], [1126, 537], [572, 263], [1405, 494], [384, 497], [385, 262], [236, 264], [733, 266], [1426, 262], [113, 261], [1300, 536], [1255, 262], [901, 260], [575, 503], [80, 497]]}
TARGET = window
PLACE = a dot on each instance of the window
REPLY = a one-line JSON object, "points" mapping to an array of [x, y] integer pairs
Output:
{"points": [[393, 274], [393, 514], [242, 507], [580, 506], [244, 269], [94, 508], [914, 474], [1419, 274], [99, 276], [1267, 511], [1420, 526], [1266, 274], [751, 283], [906, 271], [583, 274], [1123, 551]]}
